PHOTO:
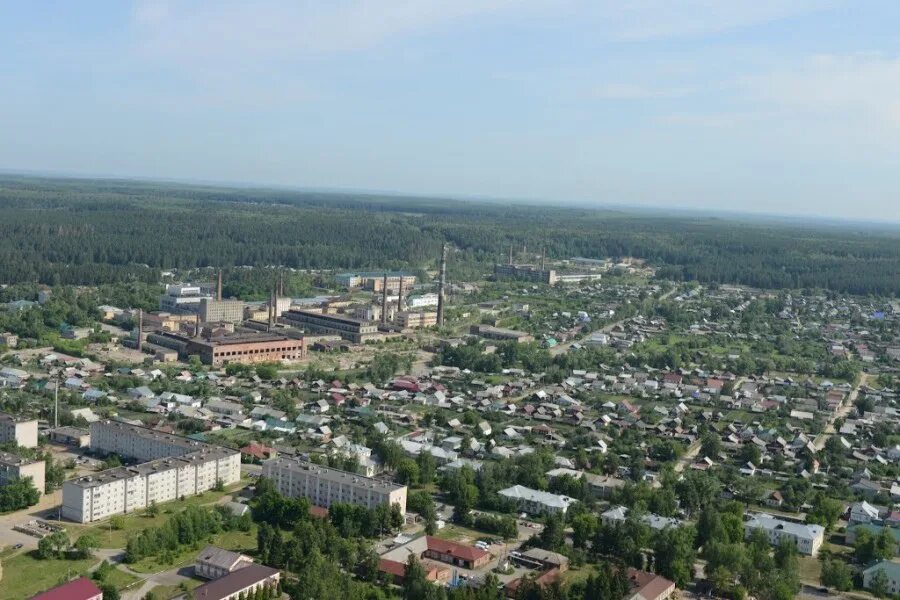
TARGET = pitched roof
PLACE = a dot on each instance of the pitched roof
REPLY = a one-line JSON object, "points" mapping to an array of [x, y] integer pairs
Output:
{"points": [[461, 551], [648, 586], [232, 583], [77, 589]]}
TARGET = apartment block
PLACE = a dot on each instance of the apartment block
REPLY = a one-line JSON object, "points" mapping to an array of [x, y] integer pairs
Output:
{"points": [[174, 467], [24, 432], [14, 467], [324, 486]]}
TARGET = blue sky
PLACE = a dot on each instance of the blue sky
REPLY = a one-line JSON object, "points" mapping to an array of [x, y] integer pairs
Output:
{"points": [[764, 106]]}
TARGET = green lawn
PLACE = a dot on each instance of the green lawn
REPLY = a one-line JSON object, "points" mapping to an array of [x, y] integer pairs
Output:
{"points": [[24, 576], [810, 569], [230, 540], [167, 592], [120, 579]]}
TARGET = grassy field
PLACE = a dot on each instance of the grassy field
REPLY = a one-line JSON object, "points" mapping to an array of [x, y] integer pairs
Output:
{"points": [[120, 579], [810, 569], [244, 542], [167, 592], [24, 576]]}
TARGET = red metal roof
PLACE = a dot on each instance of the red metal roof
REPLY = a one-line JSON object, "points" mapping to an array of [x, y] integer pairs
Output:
{"points": [[461, 551], [78, 589]]}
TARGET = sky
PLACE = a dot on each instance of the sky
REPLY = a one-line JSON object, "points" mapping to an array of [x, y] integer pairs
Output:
{"points": [[768, 106]]}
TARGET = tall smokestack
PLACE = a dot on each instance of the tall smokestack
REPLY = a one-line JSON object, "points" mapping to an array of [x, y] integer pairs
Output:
{"points": [[400, 295], [510, 255], [442, 282], [197, 326], [140, 328], [543, 257], [280, 284], [384, 299], [272, 309], [219, 287]]}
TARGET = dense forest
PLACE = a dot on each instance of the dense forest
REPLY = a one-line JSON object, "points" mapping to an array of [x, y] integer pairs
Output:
{"points": [[63, 231]]}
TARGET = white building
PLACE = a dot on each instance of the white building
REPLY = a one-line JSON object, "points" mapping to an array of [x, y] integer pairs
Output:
{"points": [[324, 486], [535, 501], [24, 432], [808, 538], [13, 467], [176, 467]]}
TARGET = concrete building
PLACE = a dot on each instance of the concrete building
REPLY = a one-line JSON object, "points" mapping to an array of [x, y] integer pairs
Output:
{"points": [[374, 281], [498, 333], [175, 467], [214, 562], [537, 502], [422, 301], [324, 486], [808, 538], [524, 273], [214, 311], [349, 328], [24, 432], [71, 436], [13, 467], [247, 348], [415, 320], [10, 340], [181, 298]]}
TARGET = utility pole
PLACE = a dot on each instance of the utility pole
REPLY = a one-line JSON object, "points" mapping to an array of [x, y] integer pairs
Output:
{"points": [[56, 403], [441, 285]]}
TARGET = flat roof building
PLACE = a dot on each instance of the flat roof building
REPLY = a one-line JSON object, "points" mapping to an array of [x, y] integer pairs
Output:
{"points": [[13, 467], [245, 347], [324, 486], [498, 333], [24, 432], [175, 466], [214, 311], [349, 328]]}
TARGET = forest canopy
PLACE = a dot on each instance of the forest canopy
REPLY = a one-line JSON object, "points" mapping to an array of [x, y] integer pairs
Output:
{"points": [[89, 232]]}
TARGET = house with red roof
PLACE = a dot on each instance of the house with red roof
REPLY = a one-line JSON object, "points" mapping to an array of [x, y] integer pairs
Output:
{"points": [[77, 589], [452, 553], [396, 571]]}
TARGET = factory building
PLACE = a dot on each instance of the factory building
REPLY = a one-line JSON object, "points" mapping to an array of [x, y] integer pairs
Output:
{"points": [[422, 301], [175, 466], [245, 347], [374, 281], [349, 328], [498, 333], [13, 467], [181, 298], [324, 486], [415, 320], [214, 311], [24, 432], [525, 273]]}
